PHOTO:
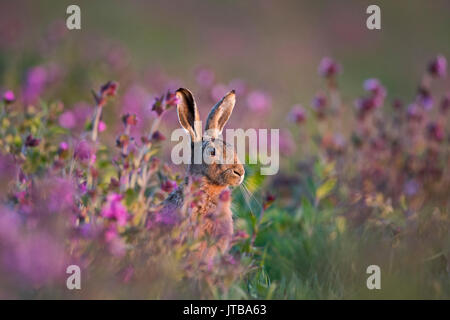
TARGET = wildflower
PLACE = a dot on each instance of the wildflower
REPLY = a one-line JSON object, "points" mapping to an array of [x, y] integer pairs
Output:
{"points": [[67, 120], [287, 145], [114, 209], [158, 106], [424, 98], [9, 97], [397, 104], [218, 91], [445, 104], [268, 200], [328, 68], [101, 126], [297, 114], [413, 113], [319, 103], [129, 119], [31, 142], [109, 89], [205, 77], [35, 82], [83, 151], [435, 132], [171, 100], [168, 185], [411, 187], [258, 101], [438, 67], [158, 136]]}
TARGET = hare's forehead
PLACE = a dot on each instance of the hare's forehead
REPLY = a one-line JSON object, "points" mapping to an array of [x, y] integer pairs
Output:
{"points": [[217, 143]]}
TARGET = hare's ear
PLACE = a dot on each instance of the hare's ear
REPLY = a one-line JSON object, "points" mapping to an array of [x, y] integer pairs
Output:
{"points": [[220, 114], [188, 114]]}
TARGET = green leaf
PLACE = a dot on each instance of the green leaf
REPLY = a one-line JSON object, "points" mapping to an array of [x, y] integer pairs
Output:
{"points": [[325, 189]]}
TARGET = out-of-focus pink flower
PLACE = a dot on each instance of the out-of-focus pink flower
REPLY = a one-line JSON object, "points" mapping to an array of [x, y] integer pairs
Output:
{"points": [[259, 101], [168, 185], [37, 258], [445, 104], [9, 97], [438, 67], [413, 113], [424, 98], [205, 77], [35, 83], [328, 67], [83, 151], [319, 104], [297, 114], [114, 209], [435, 131], [238, 85], [218, 91], [101, 126], [67, 120], [287, 145]]}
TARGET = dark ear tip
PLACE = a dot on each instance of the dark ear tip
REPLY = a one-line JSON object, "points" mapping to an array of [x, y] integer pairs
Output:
{"points": [[233, 91]]}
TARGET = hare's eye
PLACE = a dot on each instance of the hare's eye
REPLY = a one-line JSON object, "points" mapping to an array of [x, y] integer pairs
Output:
{"points": [[213, 152]]}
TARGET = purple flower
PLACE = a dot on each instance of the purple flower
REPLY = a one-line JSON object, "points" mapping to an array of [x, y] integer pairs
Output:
{"points": [[438, 67], [67, 120], [411, 187], [258, 100], [414, 113], [31, 142], [445, 104], [328, 67], [205, 77], [319, 103], [157, 136], [101, 126], [297, 114], [168, 185], [83, 151], [287, 145], [9, 97], [435, 132], [218, 91], [37, 258], [424, 98], [115, 210], [35, 83]]}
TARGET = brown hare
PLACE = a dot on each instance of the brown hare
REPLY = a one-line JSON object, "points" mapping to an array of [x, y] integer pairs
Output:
{"points": [[211, 214]]}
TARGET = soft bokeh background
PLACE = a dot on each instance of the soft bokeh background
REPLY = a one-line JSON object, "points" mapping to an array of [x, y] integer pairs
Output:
{"points": [[332, 216]]}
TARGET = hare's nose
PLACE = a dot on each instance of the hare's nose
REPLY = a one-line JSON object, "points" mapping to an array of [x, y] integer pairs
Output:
{"points": [[239, 171]]}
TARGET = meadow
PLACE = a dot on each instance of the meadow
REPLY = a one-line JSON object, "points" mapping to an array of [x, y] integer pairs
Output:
{"points": [[85, 165]]}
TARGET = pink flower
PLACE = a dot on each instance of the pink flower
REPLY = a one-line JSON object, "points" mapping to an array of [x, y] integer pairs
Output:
{"points": [[258, 101], [168, 185], [328, 67], [438, 67], [101, 126], [297, 114], [83, 151], [9, 97], [67, 120], [114, 209]]}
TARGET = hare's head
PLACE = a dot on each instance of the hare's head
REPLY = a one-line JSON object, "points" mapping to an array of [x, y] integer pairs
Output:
{"points": [[218, 161]]}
